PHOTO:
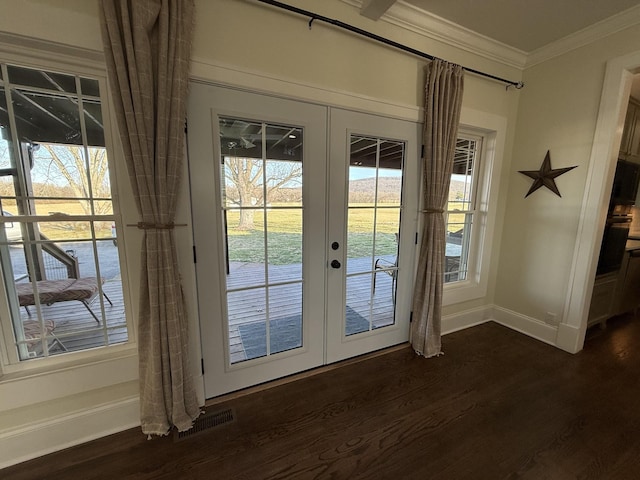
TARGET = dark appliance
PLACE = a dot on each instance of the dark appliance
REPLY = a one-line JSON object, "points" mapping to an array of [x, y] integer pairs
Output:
{"points": [[614, 241], [619, 217], [625, 184]]}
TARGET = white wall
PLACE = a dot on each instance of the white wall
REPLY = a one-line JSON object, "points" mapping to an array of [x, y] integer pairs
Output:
{"points": [[558, 110]]}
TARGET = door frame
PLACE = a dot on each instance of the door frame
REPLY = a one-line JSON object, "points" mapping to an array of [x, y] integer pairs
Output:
{"points": [[342, 126], [616, 88], [213, 325]]}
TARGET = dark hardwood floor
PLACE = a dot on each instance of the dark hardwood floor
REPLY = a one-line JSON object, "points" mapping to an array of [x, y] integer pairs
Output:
{"points": [[498, 405]]}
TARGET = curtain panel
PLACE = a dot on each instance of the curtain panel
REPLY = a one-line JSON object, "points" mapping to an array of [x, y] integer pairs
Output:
{"points": [[147, 47], [443, 101]]}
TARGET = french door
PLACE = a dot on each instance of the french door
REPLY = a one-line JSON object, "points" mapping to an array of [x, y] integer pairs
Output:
{"points": [[304, 223]]}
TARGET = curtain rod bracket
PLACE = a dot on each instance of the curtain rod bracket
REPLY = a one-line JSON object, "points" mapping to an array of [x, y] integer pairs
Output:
{"points": [[517, 85], [311, 22]]}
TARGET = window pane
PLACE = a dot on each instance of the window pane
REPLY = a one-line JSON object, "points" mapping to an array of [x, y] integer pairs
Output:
{"points": [[65, 171], [62, 276], [60, 288], [461, 208], [7, 160], [41, 79], [461, 188], [90, 87], [46, 118], [93, 122]]}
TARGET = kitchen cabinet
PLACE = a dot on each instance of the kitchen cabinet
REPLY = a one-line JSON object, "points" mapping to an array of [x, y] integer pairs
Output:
{"points": [[628, 297], [602, 298], [630, 143]]}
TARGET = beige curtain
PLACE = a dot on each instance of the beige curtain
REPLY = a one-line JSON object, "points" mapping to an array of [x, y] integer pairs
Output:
{"points": [[444, 88], [147, 46]]}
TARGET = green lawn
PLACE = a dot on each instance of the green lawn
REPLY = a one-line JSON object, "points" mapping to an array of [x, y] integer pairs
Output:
{"points": [[65, 230], [285, 235]]}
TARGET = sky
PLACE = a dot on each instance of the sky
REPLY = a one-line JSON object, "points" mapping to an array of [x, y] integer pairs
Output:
{"points": [[358, 173]]}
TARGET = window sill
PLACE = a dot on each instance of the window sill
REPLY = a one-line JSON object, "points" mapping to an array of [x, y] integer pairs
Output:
{"points": [[463, 291], [29, 369]]}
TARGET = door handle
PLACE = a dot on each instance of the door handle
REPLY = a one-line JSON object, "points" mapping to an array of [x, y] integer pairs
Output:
{"points": [[335, 264]]}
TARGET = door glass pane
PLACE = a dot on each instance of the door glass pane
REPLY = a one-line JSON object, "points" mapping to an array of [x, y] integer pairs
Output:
{"points": [[365, 312], [358, 308], [360, 233], [247, 315], [284, 243], [262, 210], [245, 255], [373, 232], [285, 318]]}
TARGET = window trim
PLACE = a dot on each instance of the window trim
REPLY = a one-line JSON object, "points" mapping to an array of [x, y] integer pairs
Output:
{"points": [[492, 129], [37, 54]]}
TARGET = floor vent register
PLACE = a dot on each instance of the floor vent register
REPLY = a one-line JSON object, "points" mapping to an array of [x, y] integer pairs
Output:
{"points": [[205, 422]]}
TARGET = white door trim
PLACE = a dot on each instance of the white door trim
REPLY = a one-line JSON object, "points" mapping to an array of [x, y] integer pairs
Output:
{"points": [[344, 123], [206, 103], [604, 153]]}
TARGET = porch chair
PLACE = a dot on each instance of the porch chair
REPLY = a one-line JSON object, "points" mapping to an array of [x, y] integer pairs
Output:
{"points": [[390, 268], [83, 290]]}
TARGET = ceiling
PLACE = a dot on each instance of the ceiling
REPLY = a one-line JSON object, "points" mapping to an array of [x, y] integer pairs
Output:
{"points": [[526, 25]]}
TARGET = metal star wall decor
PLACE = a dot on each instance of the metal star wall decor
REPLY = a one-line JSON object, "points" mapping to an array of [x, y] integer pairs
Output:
{"points": [[545, 177]]}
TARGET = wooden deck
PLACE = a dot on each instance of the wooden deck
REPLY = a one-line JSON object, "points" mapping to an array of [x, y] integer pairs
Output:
{"points": [[247, 304], [76, 329]]}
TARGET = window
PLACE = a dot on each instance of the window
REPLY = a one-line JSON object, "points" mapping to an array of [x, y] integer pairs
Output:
{"points": [[58, 251], [461, 208]]}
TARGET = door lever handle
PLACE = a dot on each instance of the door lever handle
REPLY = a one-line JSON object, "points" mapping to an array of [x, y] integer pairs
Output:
{"points": [[335, 264]]}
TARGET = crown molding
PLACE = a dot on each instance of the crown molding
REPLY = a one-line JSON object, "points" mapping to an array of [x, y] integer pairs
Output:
{"points": [[590, 34], [418, 21], [431, 26]]}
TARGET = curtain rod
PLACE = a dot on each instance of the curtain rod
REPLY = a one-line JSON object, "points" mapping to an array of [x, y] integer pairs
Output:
{"points": [[378, 38]]}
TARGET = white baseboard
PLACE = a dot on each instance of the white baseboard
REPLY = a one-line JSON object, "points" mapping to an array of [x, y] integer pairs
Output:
{"points": [[527, 325], [31, 441], [570, 338], [466, 319]]}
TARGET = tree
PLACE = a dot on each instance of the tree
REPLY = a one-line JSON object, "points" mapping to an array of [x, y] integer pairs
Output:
{"points": [[65, 164], [247, 183]]}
